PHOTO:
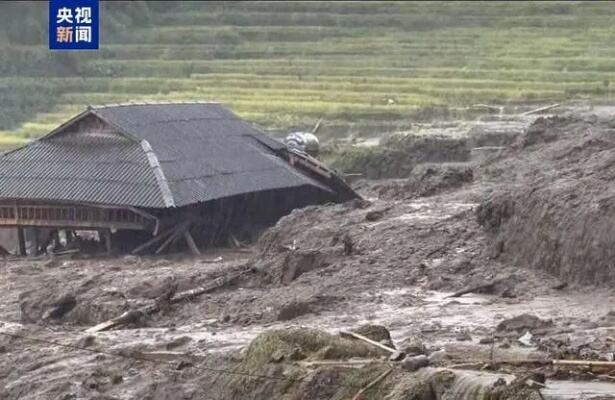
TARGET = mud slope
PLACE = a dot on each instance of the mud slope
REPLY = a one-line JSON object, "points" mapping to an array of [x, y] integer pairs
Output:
{"points": [[558, 211]]}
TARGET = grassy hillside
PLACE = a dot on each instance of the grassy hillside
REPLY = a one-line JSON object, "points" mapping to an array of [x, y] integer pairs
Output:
{"points": [[365, 67]]}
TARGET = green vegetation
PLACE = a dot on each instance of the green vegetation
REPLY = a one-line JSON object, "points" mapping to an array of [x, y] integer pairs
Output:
{"points": [[279, 351], [365, 67]]}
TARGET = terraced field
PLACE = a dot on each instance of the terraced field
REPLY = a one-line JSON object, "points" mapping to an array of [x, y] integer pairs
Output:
{"points": [[365, 67]]}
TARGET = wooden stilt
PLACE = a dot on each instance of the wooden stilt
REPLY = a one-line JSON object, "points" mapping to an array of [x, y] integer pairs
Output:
{"points": [[21, 237], [191, 244], [107, 234], [153, 241], [179, 229], [35, 242]]}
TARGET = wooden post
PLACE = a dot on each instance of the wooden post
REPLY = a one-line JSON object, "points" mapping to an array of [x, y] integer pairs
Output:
{"points": [[22, 241], [190, 241], [35, 242], [107, 234]]}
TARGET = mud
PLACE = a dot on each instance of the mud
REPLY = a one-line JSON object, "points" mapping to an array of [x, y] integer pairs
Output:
{"points": [[556, 214], [533, 216], [427, 179], [397, 155]]}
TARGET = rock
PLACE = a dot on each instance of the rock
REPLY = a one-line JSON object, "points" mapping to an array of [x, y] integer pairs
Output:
{"points": [[86, 341], [415, 363], [293, 310], [523, 322], [130, 259], [296, 354], [526, 339], [463, 337], [358, 204], [437, 357], [560, 285], [61, 306], [413, 347], [183, 365], [486, 340], [278, 356], [299, 262], [374, 215], [376, 332], [178, 342]]}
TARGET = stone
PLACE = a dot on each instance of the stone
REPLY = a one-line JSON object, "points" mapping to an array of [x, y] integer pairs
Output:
{"points": [[486, 340], [415, 363], [437, 357], [523, 322]]}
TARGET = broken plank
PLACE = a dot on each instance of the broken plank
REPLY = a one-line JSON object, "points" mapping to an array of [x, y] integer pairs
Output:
{"points": [[125, 318], [396, 355], [353, 363], [380, 377], [537, 110], [215, 284]]}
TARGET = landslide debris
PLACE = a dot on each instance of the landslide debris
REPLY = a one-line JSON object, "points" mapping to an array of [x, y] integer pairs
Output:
{"points": [[541, 204], [424, 180], [397, 155], [556, 214]]}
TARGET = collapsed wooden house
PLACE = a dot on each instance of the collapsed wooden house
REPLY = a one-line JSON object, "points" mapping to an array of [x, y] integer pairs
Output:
{"points": [[147, 175]]}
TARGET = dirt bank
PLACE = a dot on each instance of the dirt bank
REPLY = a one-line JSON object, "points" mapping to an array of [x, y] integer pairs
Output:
{"points": [[396, 156], [557, 213]]}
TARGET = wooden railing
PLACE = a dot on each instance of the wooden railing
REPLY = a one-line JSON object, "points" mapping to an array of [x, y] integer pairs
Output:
{"points": [[71, 216]]}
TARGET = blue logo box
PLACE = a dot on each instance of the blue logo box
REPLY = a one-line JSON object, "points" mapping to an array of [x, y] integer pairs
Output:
{"points": [[73, 24]]}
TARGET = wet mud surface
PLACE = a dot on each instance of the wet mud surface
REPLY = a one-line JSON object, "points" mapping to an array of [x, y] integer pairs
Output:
{"points": [[513, 218]]}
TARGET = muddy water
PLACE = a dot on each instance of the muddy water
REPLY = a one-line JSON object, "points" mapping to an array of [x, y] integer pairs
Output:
{"points": [[431, 315], [573, 390]]}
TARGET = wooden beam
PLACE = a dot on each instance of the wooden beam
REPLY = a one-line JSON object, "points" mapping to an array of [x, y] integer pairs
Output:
{"points": [[152, 241], [70, 224], [179, 229], [191, 244]]}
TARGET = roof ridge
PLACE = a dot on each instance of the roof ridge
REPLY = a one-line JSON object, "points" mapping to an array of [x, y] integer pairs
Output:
{"points": [[161, 179], [149, 103]]}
